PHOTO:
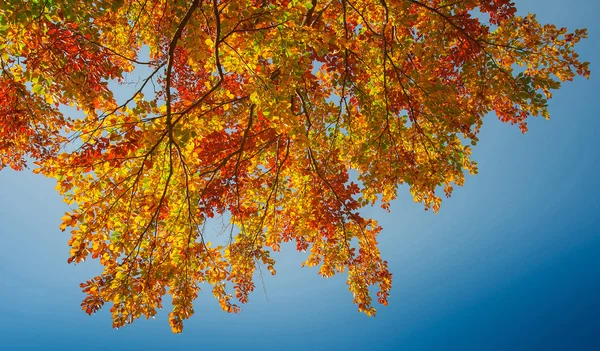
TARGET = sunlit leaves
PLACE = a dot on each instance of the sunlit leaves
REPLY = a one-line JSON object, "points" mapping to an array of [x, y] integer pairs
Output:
{"points": [[282, 119]]}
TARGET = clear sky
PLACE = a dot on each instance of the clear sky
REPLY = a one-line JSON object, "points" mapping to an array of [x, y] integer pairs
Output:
{"points": [[511, 262]]}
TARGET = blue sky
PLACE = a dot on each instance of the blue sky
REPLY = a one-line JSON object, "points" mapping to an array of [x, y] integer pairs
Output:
{"points": [[510, 262]]}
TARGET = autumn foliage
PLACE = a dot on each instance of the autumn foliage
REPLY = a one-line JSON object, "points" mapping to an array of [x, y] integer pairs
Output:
{"points": [[282, 117]]}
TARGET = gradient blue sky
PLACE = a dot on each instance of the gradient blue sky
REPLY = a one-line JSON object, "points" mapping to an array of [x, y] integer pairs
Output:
{"points": [[511, 261]]}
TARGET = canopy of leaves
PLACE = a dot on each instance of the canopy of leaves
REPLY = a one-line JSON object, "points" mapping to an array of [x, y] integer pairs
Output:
{"points": [[282, 117]]}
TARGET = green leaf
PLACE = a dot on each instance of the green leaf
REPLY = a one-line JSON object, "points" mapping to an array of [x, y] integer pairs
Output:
{"points": [[37, 88]]}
